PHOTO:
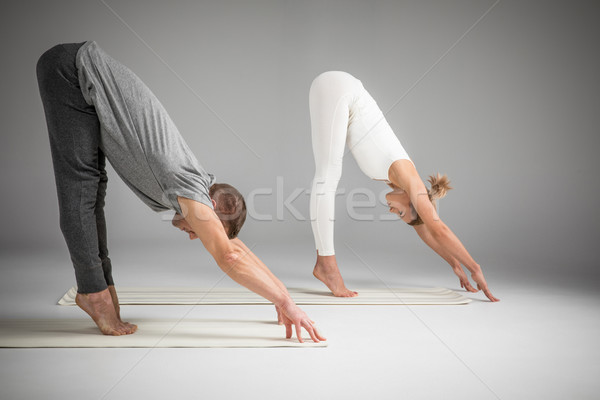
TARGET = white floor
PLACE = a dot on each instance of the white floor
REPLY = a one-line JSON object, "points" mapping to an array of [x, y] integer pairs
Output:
{"points": [[539, 342]]}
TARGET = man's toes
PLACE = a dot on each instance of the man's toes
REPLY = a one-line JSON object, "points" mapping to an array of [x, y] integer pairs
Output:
{"points": [[129, 328], [112, 332]]}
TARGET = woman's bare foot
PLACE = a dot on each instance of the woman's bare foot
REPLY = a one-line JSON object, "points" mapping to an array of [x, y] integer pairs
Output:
{"points": [[115, 300], [100, 307], [327, 271]]}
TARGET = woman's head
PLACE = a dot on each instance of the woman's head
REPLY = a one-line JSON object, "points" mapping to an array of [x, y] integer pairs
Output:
{"points": [[400, 204]]}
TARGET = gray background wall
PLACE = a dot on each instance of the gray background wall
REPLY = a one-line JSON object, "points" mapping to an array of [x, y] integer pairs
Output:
{"points": [[510, 113]]}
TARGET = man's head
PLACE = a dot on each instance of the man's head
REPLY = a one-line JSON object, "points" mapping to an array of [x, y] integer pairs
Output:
{"points": [[229, 206]]}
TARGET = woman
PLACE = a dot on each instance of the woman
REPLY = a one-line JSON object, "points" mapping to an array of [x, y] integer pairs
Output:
{"points": [[342, 111]]}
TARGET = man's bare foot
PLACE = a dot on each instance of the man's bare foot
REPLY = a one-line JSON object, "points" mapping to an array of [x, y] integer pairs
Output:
{"points": [[327, 271], [115, 300], [100, 307]]}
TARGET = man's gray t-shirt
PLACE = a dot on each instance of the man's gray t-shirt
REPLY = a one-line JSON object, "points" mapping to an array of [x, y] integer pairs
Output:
{"points": [[137, 135]]}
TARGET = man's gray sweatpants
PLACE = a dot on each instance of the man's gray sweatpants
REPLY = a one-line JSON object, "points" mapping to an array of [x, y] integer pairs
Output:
{"points": [[79, 166]]}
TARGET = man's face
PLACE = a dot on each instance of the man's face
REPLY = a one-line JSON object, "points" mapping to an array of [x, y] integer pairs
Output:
{"points": [[182, 225]]}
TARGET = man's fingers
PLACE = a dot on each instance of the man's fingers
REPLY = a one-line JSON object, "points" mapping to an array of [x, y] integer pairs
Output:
{"points": [[299, 332], [288, 330], [311, 331], [318, 334]]}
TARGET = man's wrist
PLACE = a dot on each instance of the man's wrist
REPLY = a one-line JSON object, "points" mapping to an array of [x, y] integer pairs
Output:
{"points": [[284, 302]]}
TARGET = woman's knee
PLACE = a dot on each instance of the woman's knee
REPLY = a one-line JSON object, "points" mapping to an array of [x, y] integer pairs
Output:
{"points": [[326, 182]]}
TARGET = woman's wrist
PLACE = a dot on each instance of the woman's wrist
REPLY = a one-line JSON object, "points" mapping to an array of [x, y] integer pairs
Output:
{"points": [[474, 268]]}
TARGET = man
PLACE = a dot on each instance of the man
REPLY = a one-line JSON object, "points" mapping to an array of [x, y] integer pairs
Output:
{"points": [[95, 108]]}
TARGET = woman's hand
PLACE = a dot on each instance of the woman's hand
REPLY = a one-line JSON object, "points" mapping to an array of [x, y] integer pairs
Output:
{"points": [[464, 281], [477, 276]]}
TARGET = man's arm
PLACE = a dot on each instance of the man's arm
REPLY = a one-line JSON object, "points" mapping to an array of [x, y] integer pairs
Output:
{"points": [[238, 262], [261, 265]]}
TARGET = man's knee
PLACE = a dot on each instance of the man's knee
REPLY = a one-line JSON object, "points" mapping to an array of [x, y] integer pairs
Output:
{"points": [[57, 62], [77, 217], [48, 62]]}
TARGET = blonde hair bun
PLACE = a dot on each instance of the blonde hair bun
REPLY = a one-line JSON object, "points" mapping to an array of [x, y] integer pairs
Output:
{"points": [[440, 184]]}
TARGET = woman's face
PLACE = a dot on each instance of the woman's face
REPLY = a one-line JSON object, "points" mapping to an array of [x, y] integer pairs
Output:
{"points": [[399, 203]]}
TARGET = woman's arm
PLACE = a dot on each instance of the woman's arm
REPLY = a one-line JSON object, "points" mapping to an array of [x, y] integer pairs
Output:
{"points": [[424, 234], [404, 174]]}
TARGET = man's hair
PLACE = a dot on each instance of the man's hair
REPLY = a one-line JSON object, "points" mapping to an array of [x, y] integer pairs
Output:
{"points": [[231, 207]]}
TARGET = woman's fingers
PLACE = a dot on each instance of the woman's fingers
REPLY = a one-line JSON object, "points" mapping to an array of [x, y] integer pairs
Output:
{"points": [[464, 282], [482, 285], [470, 288], [462, 277], [489, 295]]}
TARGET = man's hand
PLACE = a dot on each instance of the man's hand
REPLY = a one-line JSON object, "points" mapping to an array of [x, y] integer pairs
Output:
{"points": [[237, 261], [290, 314]]}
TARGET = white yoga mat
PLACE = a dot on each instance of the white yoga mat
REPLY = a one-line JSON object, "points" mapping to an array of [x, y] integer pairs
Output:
{"points": [[190, 295], [151, 333]]}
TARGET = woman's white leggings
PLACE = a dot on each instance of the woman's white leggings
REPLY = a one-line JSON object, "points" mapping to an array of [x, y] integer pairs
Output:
{"points": [[342, 111]]}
